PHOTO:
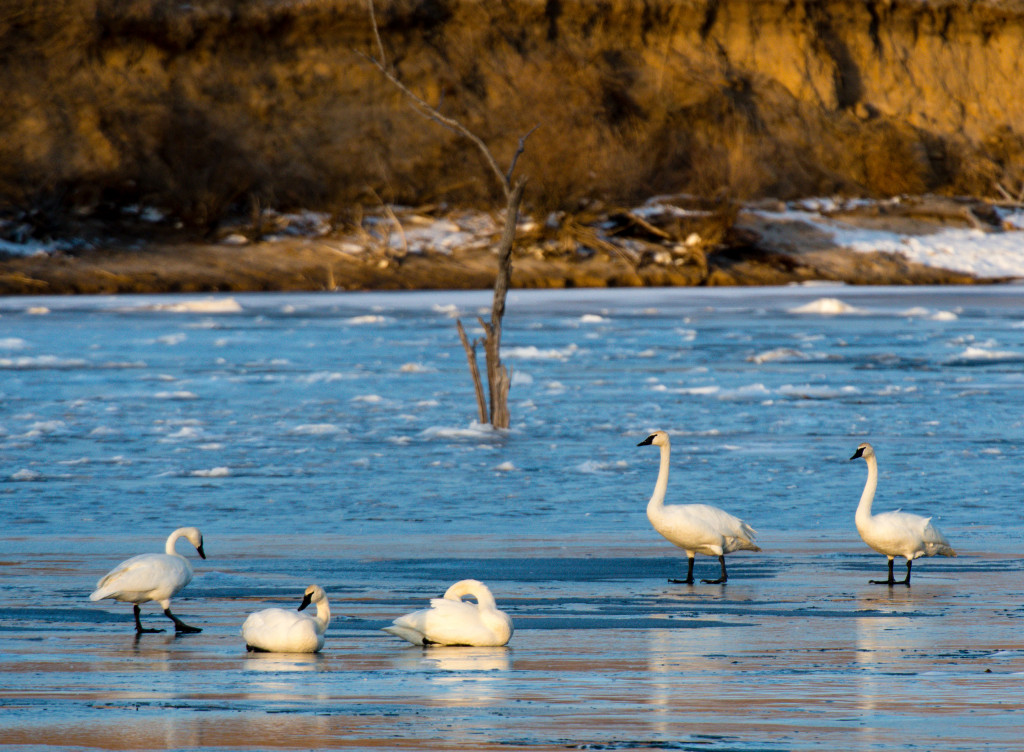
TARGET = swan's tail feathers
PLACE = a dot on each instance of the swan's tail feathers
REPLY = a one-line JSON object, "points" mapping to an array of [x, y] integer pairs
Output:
{"points": [[733, 543], [99, 594], [744, 540], [935, 543], [410, 635]]}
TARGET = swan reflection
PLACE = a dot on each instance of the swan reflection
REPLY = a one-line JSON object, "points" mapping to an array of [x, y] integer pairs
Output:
{"points": [[460, 675], [283, 662], [468, 659], [454, 659]]}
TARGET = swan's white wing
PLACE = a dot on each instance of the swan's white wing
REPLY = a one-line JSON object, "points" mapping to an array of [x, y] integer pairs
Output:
{"points": [[406, 633], [280, 630], [450, 622], [458, 623], [147, 576], [901, 533], [704, 528], [410, 627], [722, 522]]}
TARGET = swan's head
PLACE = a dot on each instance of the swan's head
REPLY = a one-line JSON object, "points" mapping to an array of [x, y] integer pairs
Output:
{"points": [[313, 594], [658, 438], [865, 450], [193, 536]]}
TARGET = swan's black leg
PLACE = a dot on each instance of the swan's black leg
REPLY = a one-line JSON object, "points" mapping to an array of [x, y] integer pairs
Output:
{"points": [[138, 623], [724, 578], [689, 573], [907, 581], [892, 580], [179, 626]]}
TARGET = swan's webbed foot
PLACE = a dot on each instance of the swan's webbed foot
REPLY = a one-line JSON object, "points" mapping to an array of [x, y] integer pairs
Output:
{"points": [[180, 627], [689, 574], [139, 629], [721, 580], [892, 578], [253, 649]]}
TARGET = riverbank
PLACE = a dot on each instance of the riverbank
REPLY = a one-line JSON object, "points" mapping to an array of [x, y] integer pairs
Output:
{"points": [[668, 241]]}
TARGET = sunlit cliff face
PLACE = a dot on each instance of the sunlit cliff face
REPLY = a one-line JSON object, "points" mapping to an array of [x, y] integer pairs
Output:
{"points": [[734, 98]]}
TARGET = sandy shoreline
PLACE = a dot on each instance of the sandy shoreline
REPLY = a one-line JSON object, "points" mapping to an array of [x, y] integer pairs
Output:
{"points": [[605, 249]]}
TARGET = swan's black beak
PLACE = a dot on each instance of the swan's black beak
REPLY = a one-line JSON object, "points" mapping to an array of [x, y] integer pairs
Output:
{"points": [[648, 440], [306, 600], [202, 553], [858, 453]]}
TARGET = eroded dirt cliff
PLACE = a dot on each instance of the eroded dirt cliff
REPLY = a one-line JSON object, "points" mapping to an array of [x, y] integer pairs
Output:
{"points": [[204, 107]]}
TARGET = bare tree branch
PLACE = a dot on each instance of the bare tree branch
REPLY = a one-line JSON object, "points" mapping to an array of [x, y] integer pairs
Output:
{"points": [[498, 378], [428, 110], [515, 157], [474, 371], [376, 32]]}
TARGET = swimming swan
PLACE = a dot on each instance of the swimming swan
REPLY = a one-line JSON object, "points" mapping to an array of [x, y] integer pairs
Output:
{"points": [[895, 533], [279, 630], [695, 528], [153, 577], [452, 621]]}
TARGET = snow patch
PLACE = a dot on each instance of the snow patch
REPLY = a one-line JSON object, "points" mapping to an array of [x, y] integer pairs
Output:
{"points": [[213, 472], [208, 305], [826, 307], [531, 352]]}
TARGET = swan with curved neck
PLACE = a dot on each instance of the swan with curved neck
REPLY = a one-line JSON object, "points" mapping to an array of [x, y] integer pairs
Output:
{"points": [[453, 621], [895, 533], [278, 630], [695, 528], [153, 577]]}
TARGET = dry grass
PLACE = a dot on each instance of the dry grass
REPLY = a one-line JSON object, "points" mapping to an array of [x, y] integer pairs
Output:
{"points": [[205, 108]]}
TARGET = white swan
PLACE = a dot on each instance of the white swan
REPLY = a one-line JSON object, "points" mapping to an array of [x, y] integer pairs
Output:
{"points": [[695, 528], [153, 577], [452, 621], [278, 630], [895, 533]]}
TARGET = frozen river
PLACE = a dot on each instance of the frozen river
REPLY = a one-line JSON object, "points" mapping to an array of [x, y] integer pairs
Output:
{"points": [[329, 438]]}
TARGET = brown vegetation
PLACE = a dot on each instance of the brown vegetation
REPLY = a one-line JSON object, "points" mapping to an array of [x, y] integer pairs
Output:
{"points": [[219, 105]]}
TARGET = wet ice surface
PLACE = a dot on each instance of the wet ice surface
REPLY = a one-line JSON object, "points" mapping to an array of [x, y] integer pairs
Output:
{"points": [[328, 439]]}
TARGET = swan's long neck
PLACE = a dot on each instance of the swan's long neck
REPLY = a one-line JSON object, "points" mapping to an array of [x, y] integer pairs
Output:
{"points": [[323, 616], [658, 497], [482, 594], [171, 540], [868, 495]]}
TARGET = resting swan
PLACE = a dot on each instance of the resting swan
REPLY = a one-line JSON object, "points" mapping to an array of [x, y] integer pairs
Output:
{"points": [[695, 528], [278, 630], [895, 533], [153, 577], [452, 621]]}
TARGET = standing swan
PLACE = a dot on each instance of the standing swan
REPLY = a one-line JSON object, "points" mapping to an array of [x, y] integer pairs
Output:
{"points": [[695, 528], [153, 577], [895, 533], [278, 630], [452, 621]]}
